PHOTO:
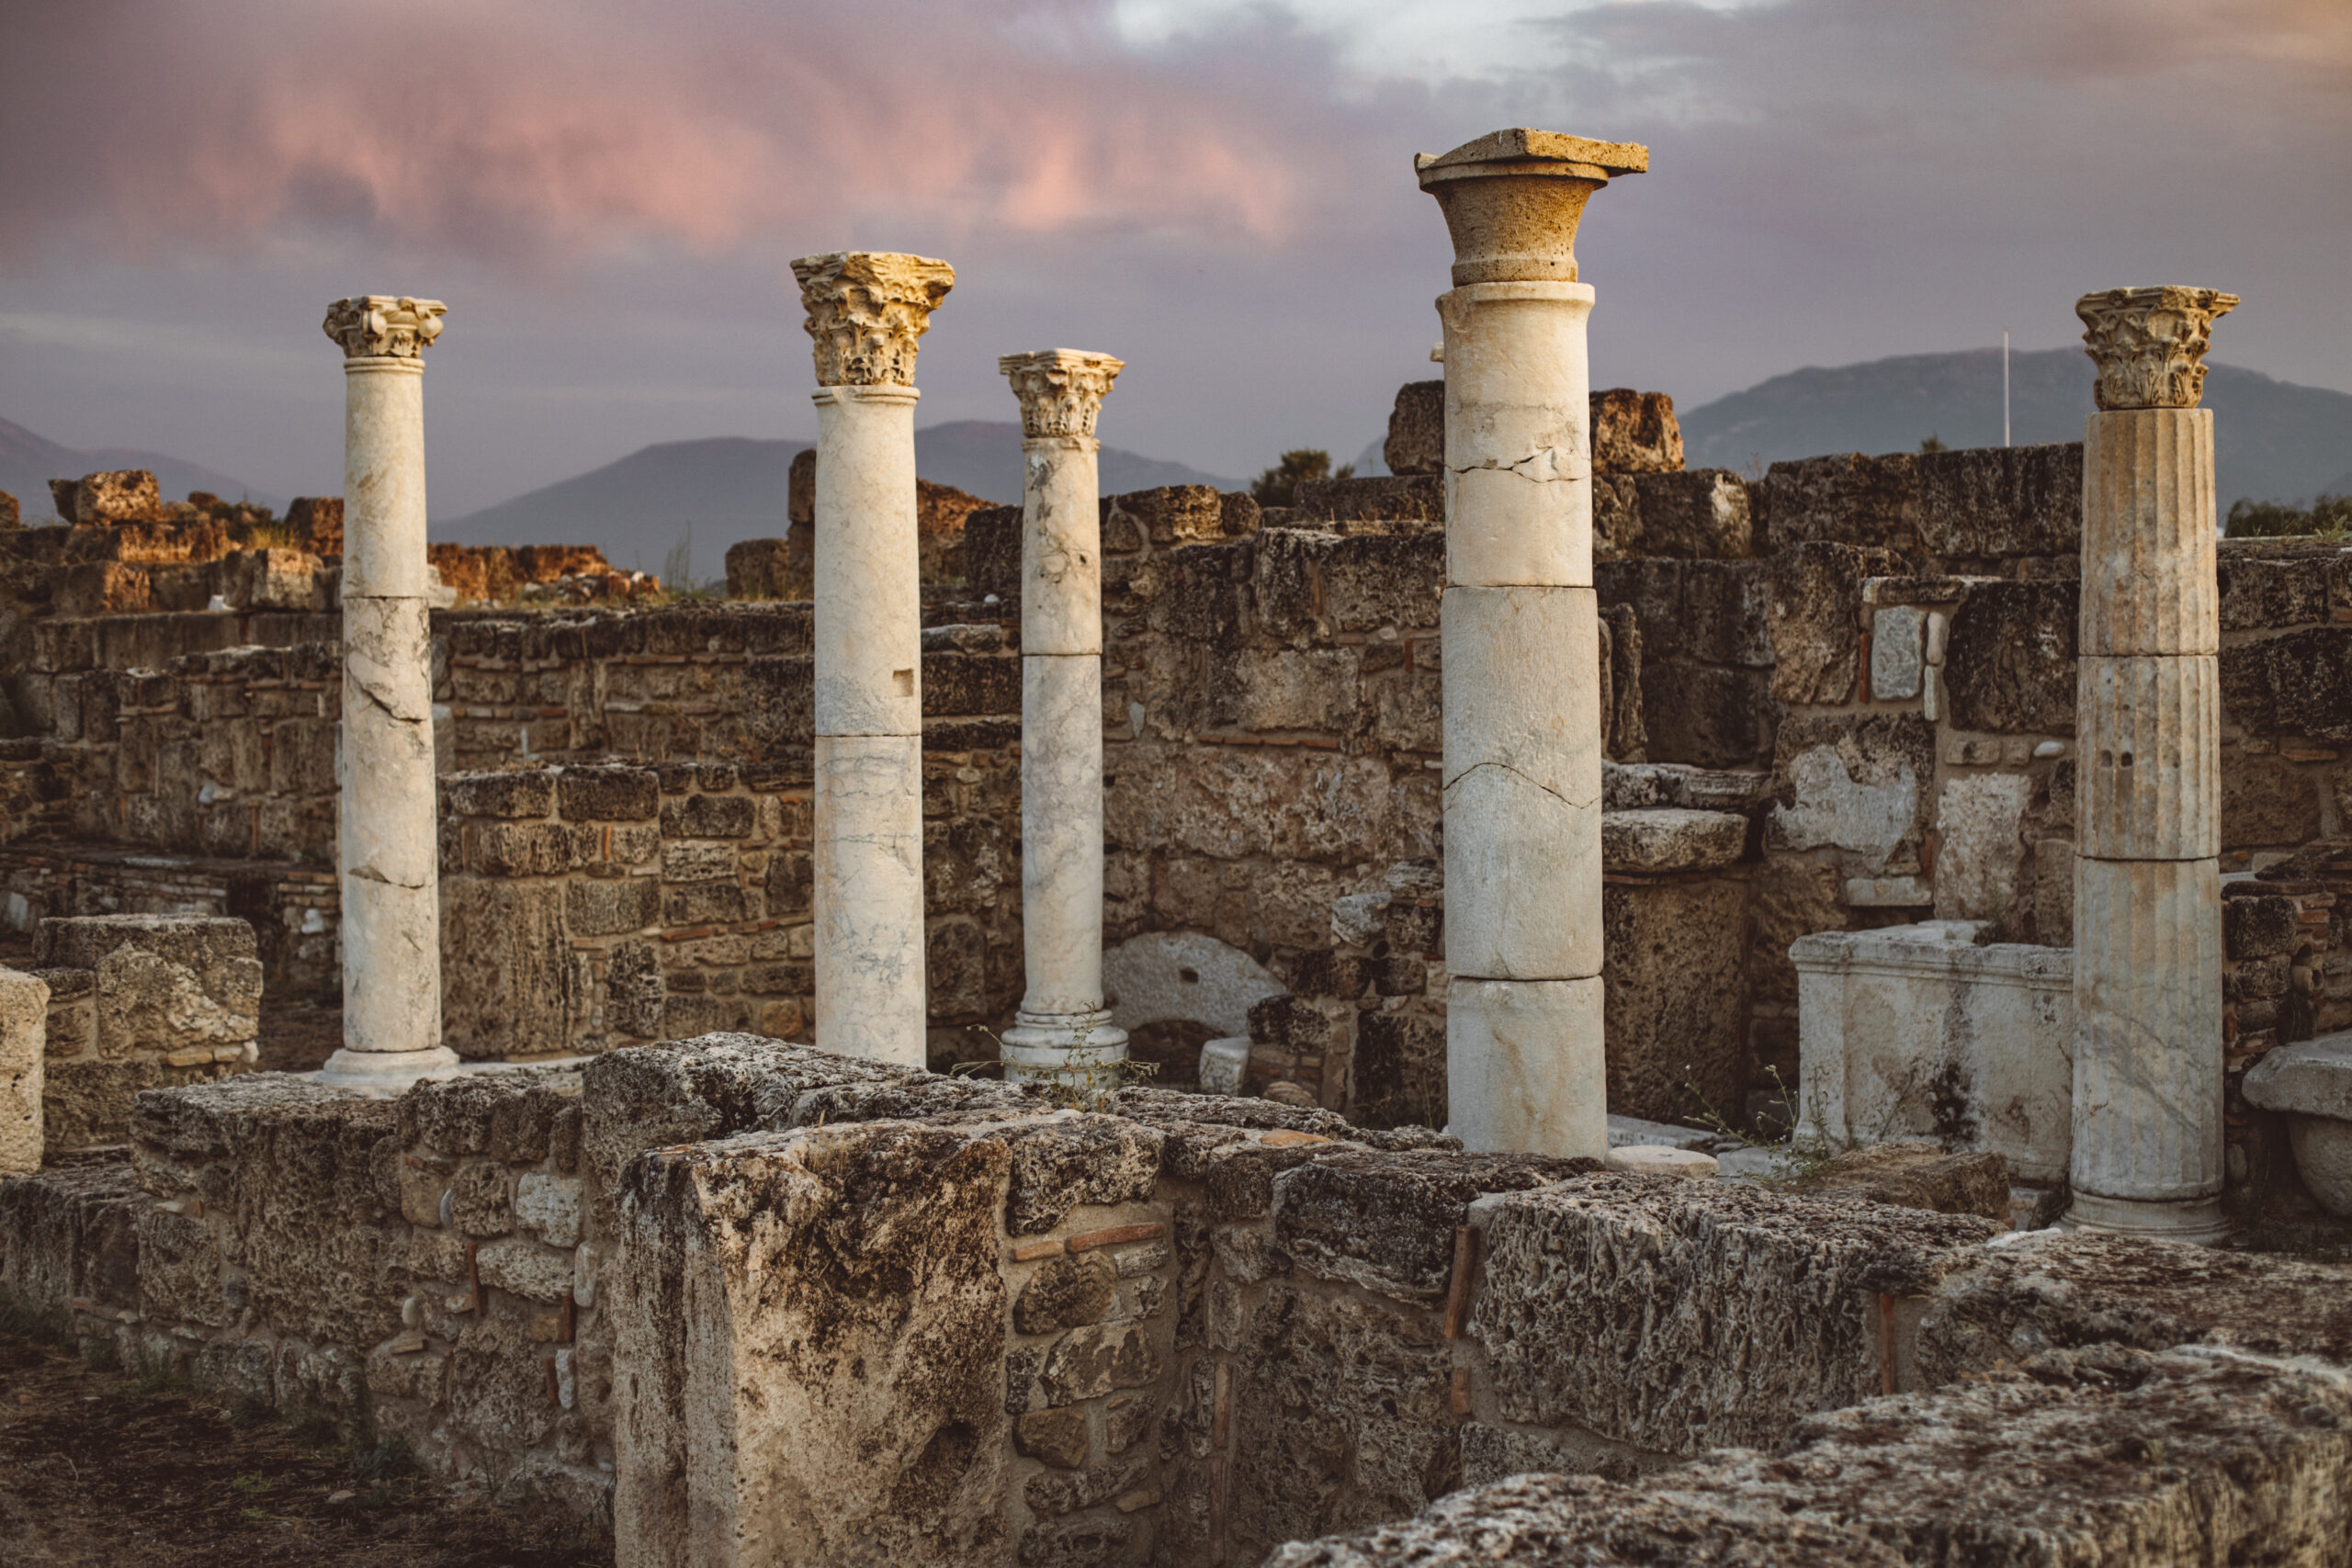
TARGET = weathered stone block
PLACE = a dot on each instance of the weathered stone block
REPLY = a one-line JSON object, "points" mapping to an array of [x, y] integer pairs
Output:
{"points": [[1858, 786], [1994, 502], [1416, 442], [709, 817], [1674, 969], [1846, 499], [510, 985], [1702, 514], [1385, 1222], [2297, 685], [1778, 1307], [1634, 433], [1815, 619], [607, 794], [611, 906], [858, 1267], [24, 1025], [1065, 1293], [516, 793], [1057, 1437], [2009, 666]]}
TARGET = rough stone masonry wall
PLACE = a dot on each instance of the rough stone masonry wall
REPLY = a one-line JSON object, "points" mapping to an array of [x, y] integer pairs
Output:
{"points": [[794, 1308]]}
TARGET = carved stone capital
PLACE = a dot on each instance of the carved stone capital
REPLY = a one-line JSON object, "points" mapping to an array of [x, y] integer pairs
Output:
{"points": [[2150, 343], [384, 326], [866, 311], [1061, 389], [1512, 200]]}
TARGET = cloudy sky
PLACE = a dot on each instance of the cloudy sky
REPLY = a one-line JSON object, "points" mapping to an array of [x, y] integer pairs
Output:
{"points": [[606, 194]]}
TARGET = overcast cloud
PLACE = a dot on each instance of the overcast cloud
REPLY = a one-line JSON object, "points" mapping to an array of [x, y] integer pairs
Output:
{"points": [[605, 194]]}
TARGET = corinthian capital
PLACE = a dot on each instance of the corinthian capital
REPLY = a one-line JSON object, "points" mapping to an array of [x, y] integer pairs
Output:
{"points": [[2149, 343], [1061, 389], [865, 310], [384, 326]]}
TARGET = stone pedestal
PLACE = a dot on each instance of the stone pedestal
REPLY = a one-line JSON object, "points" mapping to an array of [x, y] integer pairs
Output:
{"points": [[866, 311], [388, 847], [1520, 640], [1062, 1031], [2148, 1143]]}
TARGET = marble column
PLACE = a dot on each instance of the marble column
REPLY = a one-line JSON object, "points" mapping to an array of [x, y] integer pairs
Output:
{"points": [[866, 311], [1521, 647], [2148, 1143], [387, 818], [1061, 1030]]}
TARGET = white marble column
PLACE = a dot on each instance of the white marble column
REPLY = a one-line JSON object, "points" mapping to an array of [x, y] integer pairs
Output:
{"points": [[387, 820], [1061, 1030], [866, 311], [1520, 640], [2148, 1143]]}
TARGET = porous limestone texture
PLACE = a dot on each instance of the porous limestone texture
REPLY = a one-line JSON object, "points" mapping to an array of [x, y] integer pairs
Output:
{"points": [[1062, 1029], [388, 855], [24, 1018], [2312, 1084], [1519, 632], [866, 311], [1918, 1031], [2148, 1059]]}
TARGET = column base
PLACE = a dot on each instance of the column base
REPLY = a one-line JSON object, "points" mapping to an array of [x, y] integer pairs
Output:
{"points": [[387, 1073], [2197, 1221], [1081, 1050]]}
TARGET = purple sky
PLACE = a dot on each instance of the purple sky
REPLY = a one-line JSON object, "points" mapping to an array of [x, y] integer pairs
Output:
{"points": [[606, 194]]}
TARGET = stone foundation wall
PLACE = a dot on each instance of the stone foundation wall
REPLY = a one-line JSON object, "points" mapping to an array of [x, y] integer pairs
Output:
{"points": [[793, 1308]]}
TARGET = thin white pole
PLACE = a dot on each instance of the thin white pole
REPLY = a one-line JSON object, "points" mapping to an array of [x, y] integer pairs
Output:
{"points": [[2005, 386]]}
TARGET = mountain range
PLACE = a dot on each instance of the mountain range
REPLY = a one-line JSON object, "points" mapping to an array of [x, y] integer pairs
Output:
{"points": [[2272, 440], [27, 462]]}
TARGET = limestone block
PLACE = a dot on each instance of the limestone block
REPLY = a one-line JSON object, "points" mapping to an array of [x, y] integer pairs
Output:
{"points": [[2148, 1030], [1416, 442], [1635, 433], [1815, 620], [1519, 456], [2008, 665], [1061, 839], [1898, 646], [2311, 1082], [24, 1016], [869, 897], [147, 1003], [1856, 785], [1845, 498], [511, 984], [549, 1206], [1224, 1062], [857, 1266], [1657, 1159], [1917, 1032], [1916, 1175], [1522, 712], [2323, 1150], [2148, 783], [1980, 854], [1526, 1065], [869, 617], [1775, 1313], [2299, 684], [1669, 839], [1677, 987], [2149, 581], [1386, 1222], [1540, 1519], [2000, 501], [760, 569]]}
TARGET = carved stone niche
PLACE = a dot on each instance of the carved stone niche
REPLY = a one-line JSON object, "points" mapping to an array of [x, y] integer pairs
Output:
{"points": [[1061, 389], [866, 311], [1512, 200], [2150, 343], [384, 326]]}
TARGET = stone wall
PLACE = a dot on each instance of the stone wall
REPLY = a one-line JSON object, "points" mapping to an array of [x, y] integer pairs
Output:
{"points": [[793, 1308]]}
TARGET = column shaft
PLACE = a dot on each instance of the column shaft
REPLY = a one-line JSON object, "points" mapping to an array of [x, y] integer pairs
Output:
{"points": [[2148, 1138], [387, 820], [868, 893], [1519, 630], [1061, 1030]]}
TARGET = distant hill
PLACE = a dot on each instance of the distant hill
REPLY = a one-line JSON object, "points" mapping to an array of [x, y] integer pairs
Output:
{"points": [[27, 462], [2273, 440], [732, 487]]}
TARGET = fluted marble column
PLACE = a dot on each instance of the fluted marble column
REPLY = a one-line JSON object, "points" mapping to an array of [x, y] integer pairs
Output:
{"points": [[386, 821], [2148, 1143], [1061, 1030], [1521, 638], [866, 311]]}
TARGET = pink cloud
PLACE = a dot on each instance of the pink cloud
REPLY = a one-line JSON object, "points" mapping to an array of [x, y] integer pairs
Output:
{"points": [[530, 129]]}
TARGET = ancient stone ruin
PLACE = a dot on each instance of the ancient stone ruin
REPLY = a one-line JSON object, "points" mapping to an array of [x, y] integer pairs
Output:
{"points": [[1542, 1007]]}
